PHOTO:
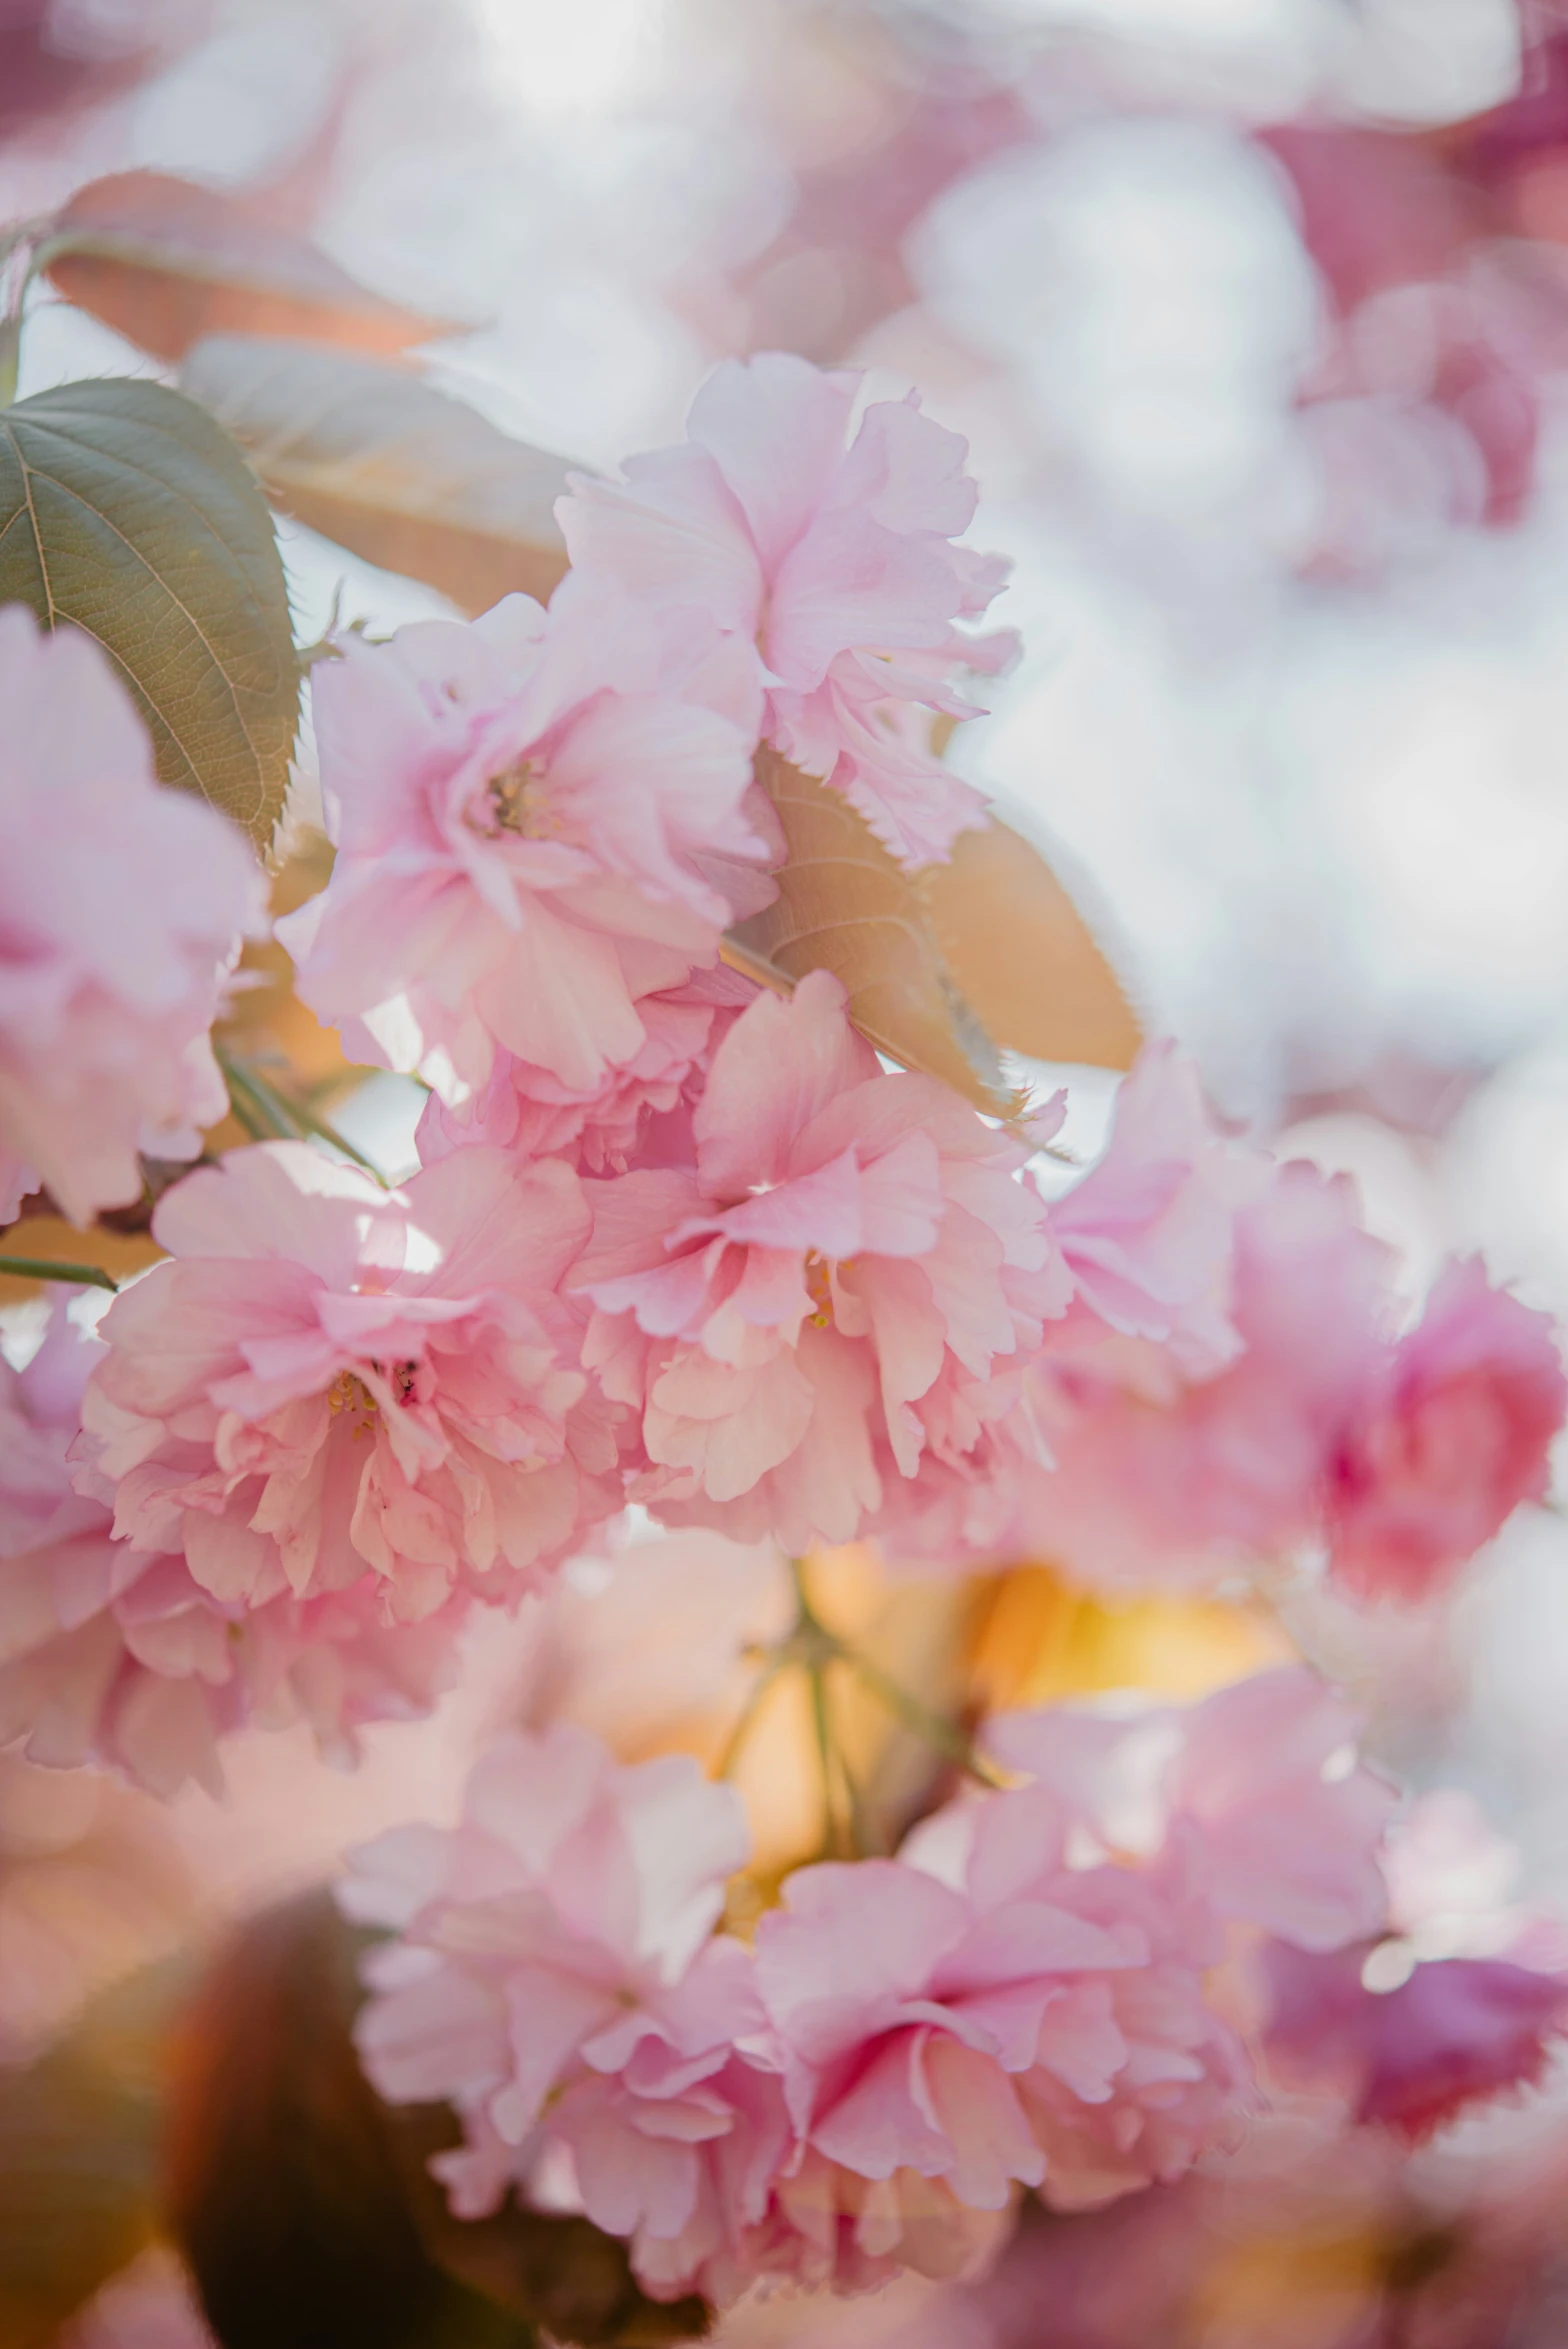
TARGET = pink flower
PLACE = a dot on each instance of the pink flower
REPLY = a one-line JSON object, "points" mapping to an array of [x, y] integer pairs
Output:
{"points": [[1454, 2033], [121, 909], [1455, 1438], [528, 813], [1153, 1477], [640, 1110], [836, 1286], [980, 2014], [556, 1979], [1257, 1788], [117, 1656], [333, 1385], [1149, 1234], [833, 567]]}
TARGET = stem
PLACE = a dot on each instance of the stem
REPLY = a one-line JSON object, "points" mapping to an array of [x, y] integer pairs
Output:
{"points": [[270, 1116], [937, 1732], [833, 1842], [19, 259], [41, 1268], [746, 1718]]}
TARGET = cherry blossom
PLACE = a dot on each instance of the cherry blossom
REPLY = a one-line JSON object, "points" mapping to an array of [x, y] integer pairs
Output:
{"points": [[1455, 1438], [119, 1657], [1257, 1788], [529, 814], [833, 565], [639, 1110], [1462, 2003], [332, 1383], [556, 1979], [122, 907], [835, 1285]]}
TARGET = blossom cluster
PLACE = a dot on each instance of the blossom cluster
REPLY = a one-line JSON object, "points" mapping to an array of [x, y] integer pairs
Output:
{"points": [[679, 1243], [1020, 1998]]}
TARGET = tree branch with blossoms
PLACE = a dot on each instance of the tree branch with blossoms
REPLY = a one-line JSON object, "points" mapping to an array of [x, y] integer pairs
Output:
{"points": [[728, 1211]]}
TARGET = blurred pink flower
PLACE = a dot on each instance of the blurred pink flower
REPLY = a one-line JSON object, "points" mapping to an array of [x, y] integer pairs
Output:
{"points": [[118, 1656], [1257, 1789], [528, 814], [121, 910], [1226, 1319], [838, 1284], [1461, 2003], [833, 567], [1149, 1234], [1457, 1435], [1453, 2033], [332, 1382]]}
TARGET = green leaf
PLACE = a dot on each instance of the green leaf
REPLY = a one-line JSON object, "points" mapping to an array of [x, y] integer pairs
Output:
{"points": [[126, 512], [388, 467]]}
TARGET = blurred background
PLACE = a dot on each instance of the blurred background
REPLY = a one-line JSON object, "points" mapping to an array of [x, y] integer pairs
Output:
{"points": [[1255, 314]]}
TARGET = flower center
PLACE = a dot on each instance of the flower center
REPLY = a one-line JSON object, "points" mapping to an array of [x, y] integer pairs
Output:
{"points": [[819, 1288], [516, 801], [348, 1393]]}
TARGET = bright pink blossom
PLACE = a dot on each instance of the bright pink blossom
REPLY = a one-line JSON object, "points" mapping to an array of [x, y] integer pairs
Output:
{"points": [[118, 1656], [333, 1384], [1456, 1437], [832, 565], [837, 1286], [121, 911], [529, 815], [1462, 2003], [1453, 2033]]}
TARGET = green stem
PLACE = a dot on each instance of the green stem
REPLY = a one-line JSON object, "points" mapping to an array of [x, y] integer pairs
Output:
{"points": [[270, 1116], [746, 1718], [931, 1727], [833, 1842], [41, 1268]]}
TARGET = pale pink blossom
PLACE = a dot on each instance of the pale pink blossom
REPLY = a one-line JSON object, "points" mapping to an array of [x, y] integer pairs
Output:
{"points": [[984, 2015], [1258, 1788], [1149, 1233], [1154, 1478], [831, 560], [333, 1384], [529, 813], [556, 1978], [838, 1284], [118, 1657], [640, 1110], [1456, 1436], [121, 911]]}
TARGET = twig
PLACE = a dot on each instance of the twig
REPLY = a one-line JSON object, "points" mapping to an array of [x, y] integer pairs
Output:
{"points": [[42, 1268], [271, 1116]]}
